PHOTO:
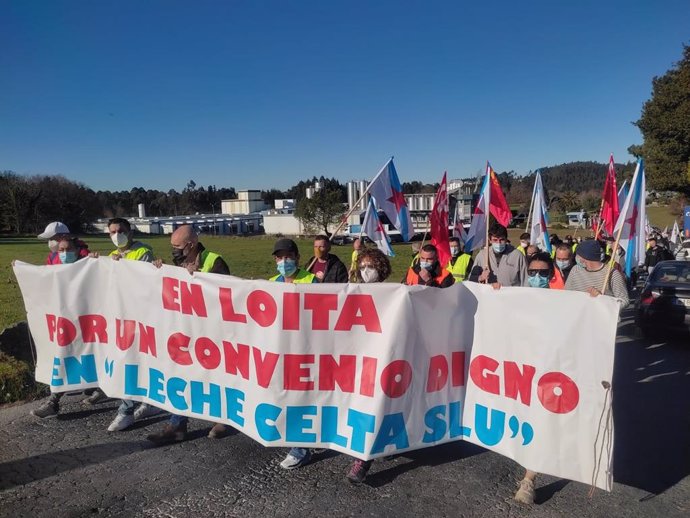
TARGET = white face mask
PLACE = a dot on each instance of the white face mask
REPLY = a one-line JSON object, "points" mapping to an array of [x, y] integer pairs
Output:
{"points": [[119, 240], [53, 245], [524, 244], [369, 274]]}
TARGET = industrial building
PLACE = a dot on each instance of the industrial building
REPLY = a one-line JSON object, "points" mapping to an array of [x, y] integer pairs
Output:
{"points": [[246, 218]]}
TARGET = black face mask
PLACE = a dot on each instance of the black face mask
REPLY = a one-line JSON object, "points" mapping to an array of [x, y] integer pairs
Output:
{"points": [[178, 256]]}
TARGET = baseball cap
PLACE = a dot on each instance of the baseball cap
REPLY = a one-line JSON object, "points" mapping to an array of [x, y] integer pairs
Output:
{"points": [[287, 245], [53, 229]]}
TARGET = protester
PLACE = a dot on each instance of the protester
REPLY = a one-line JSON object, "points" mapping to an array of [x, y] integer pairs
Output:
{"points": [[356, 247], [506, 266], [52, 233], [324, 265], [524, 243], [286, 256], [590, 272], [189, 253], [564, 264], [122, 236], [372, 266], [530, 251], [460, 263], [655, 254], [427, 271], [67, 251], [540, 270]]}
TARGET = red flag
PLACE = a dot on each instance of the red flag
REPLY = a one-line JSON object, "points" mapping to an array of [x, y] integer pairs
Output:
{"points": [[439, 224], [499, 206], [609, 206]]}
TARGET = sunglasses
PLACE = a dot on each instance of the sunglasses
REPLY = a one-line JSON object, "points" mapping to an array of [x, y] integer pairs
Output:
{"points": [[543, 272]]}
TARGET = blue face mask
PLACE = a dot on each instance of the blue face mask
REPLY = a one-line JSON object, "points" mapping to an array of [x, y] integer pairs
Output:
{"points": [[286, 267], [537, 281], [580, 262], [426, 265], [498, 247], [67, 257], [562, 265]]}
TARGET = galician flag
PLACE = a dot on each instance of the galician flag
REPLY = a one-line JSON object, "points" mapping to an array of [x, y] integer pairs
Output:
{"points": [[622, 193], [386, 189], [632, 219], [374, 230], [539, 235], [476, 236]]}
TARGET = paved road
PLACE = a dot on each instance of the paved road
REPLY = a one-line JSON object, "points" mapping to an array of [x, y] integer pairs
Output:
{"points": [[71, 466]]}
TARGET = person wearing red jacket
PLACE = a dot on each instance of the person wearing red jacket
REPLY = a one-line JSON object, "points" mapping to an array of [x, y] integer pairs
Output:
{"points": [[52, 233]]}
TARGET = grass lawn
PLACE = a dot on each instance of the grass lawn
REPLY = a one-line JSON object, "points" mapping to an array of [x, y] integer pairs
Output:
{"points": [[660, 216]]}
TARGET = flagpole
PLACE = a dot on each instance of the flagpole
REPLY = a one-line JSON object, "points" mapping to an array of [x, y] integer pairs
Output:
{"points": [[354, 206], [601, 210], [488, 216], [614, 251], [529, 214]]}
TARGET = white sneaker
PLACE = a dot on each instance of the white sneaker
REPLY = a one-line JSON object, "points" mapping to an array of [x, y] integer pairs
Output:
{"points": [[121, 422], [143, 411], [525, 493]]}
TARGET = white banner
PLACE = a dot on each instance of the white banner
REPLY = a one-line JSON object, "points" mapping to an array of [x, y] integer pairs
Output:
{"points": [[367, 370]]}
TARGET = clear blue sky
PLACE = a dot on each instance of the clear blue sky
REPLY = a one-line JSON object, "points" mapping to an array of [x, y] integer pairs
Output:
{"points": [[260, 94]]}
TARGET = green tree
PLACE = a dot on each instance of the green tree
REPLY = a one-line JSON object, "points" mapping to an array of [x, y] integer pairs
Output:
{"points": [[320, 211], [665, 127], [569, 201]]}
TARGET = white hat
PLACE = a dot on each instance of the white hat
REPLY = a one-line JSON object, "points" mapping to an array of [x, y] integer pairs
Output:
{"points": [[53, 229]]}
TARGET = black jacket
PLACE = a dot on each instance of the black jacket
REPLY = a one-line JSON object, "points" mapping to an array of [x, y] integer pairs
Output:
{"points": [[656, 255], [336, 271]]}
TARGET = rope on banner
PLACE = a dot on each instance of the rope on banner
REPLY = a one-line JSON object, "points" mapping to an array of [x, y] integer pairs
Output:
{"points": [[606, 440]]}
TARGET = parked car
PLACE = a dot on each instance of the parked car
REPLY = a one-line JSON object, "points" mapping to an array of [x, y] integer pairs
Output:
{"points": [[664, 302]]}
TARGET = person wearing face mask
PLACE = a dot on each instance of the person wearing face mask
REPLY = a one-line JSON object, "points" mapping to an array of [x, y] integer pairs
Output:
{"points": [[524, 242], [564, 264], [460, 263], [506, 266], [187, 252], [286, 256], [52, 233], [590, 272], [427, 271], [67, 250], [372, 266], [324, 265], [540, 270], [121, 235]]}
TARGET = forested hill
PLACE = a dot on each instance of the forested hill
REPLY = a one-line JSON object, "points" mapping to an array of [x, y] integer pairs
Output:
{"points": [[582, 176]]}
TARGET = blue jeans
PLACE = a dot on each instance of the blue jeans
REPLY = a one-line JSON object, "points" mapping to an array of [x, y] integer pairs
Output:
{"points": [[177, 420]]}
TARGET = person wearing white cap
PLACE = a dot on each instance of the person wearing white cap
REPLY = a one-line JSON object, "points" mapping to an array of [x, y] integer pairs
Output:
{"points": [[55, 230], [67, 251]]}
